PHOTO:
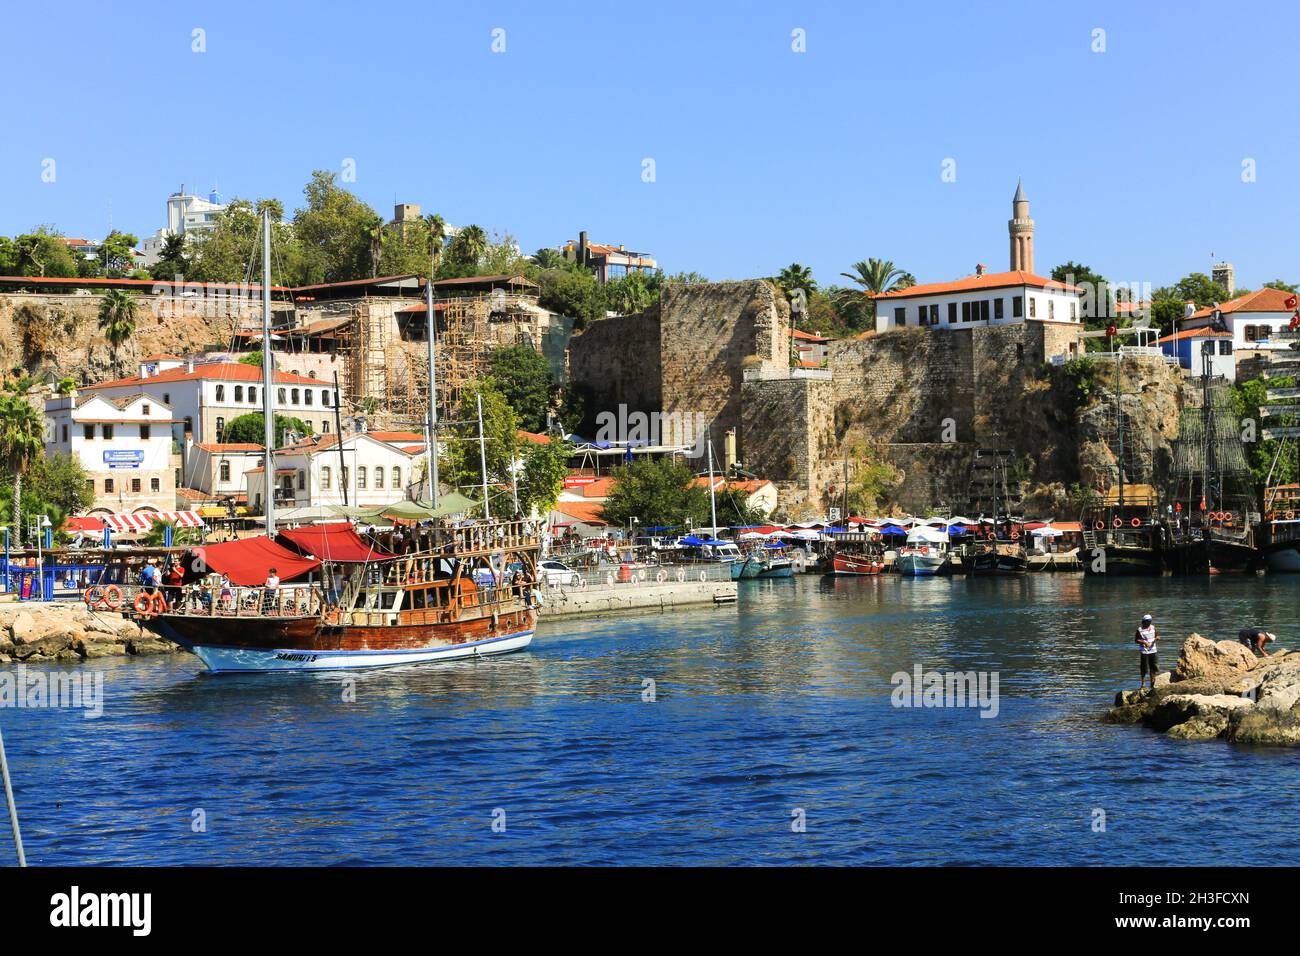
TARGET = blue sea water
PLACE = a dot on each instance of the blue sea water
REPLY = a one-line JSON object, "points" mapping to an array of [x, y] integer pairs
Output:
{"points": [[772, 710]]}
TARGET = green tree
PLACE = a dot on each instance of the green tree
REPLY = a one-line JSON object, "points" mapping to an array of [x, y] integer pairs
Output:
{"points": [[523, 377], [116, 254], [1284, 286], [252, 358], [376, 238], [43, 252], [1262, 454], [657, 492], [879, 275], [796, 278], [1167, 302], [1096, 299], [436, 236], [252, 428], [541, 479], [549, 259], [117, 317], [573, 293], [232, 250], [22, 439], [634, 292], [59, 481], [462, 467], [333, 229], [65, 386], [467, 249], [173, 260]]}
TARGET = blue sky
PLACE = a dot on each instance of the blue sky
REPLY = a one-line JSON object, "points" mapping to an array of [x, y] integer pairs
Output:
{"points": [[1132, 158]]}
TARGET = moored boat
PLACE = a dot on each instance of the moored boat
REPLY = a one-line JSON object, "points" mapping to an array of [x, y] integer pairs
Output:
{"points": [[925, 553]]}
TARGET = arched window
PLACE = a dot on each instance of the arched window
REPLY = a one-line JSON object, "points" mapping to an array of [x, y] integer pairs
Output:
{"points": [[282, 398], [221, 393], [239, 393], [397, 477], [293, 396], [325, 397], [325, 478], [252, 393], [361, 476], [306, 396], [379, 477], [302, 480]]}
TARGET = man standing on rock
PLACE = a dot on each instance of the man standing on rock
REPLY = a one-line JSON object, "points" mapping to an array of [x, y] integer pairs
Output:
{"points": [[1145, 639], [1255, 638]]}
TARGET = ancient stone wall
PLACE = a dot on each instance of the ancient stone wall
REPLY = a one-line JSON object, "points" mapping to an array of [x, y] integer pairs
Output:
{"points": [[616, 362]]}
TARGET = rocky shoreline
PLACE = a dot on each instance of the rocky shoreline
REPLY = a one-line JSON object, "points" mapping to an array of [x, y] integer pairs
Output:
{"points": [[68, 632], [1220, 690]]}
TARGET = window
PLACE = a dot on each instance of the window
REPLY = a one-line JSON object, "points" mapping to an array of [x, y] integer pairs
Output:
{"points": [[1074, 312], [223, 471], [252, 393], [145, 432], [361, 476], [189, 424], [900, 317], [922, 315], [1033, 307], [108, 432], [145, 409], [952, 313], [65, 434], [302, 479], [984, 310], [325, 397], [108, 486], [88, 432], [167, 398], [294, 396], [221, 393], [176, 478], [239, 393], [1051, 309], [281, 393], [934, 314], [379, 477], [966, 311], [324, 426], [1017, 306], [1249, 333], [155, 484], [344, 472], [397, 477], [1225, 347], [325, 478], [135, 486], [997, 308], [306, 396], [221, 426]]}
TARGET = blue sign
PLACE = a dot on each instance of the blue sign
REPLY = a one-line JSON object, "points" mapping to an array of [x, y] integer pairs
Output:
{"points": [[124, 458]]}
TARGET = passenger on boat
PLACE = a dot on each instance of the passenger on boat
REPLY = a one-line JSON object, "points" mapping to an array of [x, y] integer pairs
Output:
{"points": [[1255, 638], [272, 583], [172, 581], [150, 577], [1145, 639]]}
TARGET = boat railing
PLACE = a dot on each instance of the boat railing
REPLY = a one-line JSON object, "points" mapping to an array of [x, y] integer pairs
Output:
{"points": [[480, 537], [629, 576], [215, 600]]}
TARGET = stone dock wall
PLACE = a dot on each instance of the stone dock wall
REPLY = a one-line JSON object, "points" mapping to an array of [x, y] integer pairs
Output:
{"points": [[599, 599], [65, 632]]}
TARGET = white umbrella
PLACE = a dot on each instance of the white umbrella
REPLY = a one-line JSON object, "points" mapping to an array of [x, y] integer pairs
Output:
{"points": [[1047, 532]]}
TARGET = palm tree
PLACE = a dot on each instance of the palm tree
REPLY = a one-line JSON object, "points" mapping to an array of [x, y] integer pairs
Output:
{"points": [[117, 313], [437, 238], [470, 245], [796, 278], [22, 438], [879, 275], [65, 386], [377, 233], [549, 259]]}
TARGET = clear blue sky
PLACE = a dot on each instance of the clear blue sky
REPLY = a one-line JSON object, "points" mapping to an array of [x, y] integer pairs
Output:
{"points": [[1132, 158]]}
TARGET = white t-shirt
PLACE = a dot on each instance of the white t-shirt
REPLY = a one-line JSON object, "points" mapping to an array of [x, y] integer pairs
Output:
{"points": [[272, 581], [1147, 638]]}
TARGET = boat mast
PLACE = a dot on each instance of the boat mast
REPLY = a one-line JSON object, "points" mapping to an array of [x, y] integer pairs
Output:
{"points": [[713, 503], [1119, 428], [431, 452], [482, 456], [268, 378], [1207, 437]]}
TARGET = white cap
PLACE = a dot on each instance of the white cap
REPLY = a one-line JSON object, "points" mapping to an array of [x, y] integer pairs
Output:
{"points": [[1146, 617], [1270, 635]]}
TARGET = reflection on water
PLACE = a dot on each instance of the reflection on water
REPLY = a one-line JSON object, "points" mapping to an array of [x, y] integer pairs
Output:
{"points": [[778, 703]]}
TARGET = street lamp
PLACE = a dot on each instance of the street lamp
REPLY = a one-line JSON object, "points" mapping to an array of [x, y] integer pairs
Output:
{"points": [[40, 528]]}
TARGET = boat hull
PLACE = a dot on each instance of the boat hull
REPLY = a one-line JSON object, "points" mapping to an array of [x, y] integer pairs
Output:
{"points": [[1005, 565], [921, 565], [1213, 556], [227, 660], [1123, 561], [1283, 558], [856, 564]]}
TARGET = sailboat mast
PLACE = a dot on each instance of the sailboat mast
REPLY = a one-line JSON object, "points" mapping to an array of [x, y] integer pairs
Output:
{"points": [[1119, 427], [268, 379], [713, 503], [431, 452], [482, 457]]}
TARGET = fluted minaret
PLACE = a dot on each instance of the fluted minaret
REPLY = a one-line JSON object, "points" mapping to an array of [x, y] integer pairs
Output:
{"points": [[1021, 230]]}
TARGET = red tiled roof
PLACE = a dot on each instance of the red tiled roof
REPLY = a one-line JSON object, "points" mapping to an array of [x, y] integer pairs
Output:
{"points": [[216, 371], [990, 280], [534, 437], [807, 336], [1264, 300], [600, 488], [224, 447], [396, 436], [1205, 333], [586, 512]]}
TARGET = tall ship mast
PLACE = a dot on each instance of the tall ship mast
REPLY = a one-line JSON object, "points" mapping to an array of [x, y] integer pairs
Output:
{"points": [[1121, 526], [1279, 532], [1213, 530]]}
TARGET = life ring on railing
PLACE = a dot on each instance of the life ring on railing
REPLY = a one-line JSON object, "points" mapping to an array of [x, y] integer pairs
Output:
{"points": [[1015, 535], [1290, 516], [661, 577], [112, 597], [704, 576], [1099, 525], [94, 596], [924, 549], [681, 575], [1118, 523], [158, 603], [609, 579], [1136, 522], [143, 604]]}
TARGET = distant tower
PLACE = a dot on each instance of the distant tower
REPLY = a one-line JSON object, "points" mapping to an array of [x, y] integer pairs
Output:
{"points": [[1226, 276], [1021, 229]]}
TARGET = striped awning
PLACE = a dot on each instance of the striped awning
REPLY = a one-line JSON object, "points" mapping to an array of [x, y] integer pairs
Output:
{"points": [[143, 520]]}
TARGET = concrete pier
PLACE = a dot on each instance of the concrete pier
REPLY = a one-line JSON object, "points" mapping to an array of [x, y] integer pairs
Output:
{"points": [[648, 595]]}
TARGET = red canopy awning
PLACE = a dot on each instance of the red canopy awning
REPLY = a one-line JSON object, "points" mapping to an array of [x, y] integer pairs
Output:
{"points": [[248, 561], [331, 542], [83, 523]]}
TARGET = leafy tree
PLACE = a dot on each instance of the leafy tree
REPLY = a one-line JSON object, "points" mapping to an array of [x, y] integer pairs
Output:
{"points": [[1261, 454], [60, 481], [501, 432], [377, 237], [1284, 286], [549, 259], [22, 439], [687, 278], [1096, 305], [117, 317], [65, 386], [467, 249], [523, 377], [43, 252], [116, 253], [232, 250], [796, 278], [541, 479], [173, 260], [334, 229], [872, 479], [252, 428], [436, 235], [1167, 302], [252, 358], [657, 492], [574, 293], [634, 292]]}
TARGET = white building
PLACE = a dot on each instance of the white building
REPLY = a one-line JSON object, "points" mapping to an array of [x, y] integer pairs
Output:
{"points": [[217, 471], [125, 445], [1252, 322], [186, 216], [997, 298], [208, 397], [376, 467]]}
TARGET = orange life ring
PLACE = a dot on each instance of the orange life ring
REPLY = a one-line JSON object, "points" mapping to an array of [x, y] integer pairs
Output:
{"points": [[1118, 523], [143, 604], [1015, 535], [113, 597], [1290, 516], [94, 596], [1099, 525], [1136, 522], [159, 603]]}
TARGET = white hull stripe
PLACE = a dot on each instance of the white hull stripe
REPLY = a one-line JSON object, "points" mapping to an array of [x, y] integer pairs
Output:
{"points": [[222, 659]]}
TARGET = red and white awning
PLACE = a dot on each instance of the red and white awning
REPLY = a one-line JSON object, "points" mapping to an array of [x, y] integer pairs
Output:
{"points": [[143, 520]]}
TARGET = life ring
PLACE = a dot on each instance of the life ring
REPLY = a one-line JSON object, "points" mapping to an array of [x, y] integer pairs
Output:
{"points": [[1227, 516], [681, 575], [143, 604], [159, 603], [1118, 523], [1290, 516], [1136, 522], [704, 576], [1099, 525], [1015, 535], [661, 577], [609, 579], [112, 597], [581, 581], [94, 596]]}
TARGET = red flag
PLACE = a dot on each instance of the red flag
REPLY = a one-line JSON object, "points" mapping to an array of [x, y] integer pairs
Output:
{"points": [[1291, 302]]}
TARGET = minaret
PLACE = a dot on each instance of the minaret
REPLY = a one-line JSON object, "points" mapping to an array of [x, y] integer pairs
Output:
{"points": [[1021, 229]]}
